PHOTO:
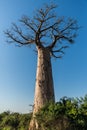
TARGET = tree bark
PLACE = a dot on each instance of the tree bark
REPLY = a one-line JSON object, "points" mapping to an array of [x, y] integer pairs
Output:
{"points": [[44, 90]]}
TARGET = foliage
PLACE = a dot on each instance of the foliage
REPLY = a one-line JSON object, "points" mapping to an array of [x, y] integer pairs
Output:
{"points": [[14, 121], [66, 114]]}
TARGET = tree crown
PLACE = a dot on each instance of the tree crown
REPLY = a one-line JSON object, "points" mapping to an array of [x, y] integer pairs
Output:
{"points": [[46, 30]]}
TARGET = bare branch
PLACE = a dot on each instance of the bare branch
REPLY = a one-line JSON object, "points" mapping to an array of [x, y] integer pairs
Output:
{"points": [[60, 52], [46, 10], [26, 21], [14, 38], [52, 54], [60, 49], [45, 29], [43, 15], [67, 32], [18, 30]]}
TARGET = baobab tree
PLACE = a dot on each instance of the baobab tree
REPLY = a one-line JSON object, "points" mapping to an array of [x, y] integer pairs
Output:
{"points": [[51, 35]]}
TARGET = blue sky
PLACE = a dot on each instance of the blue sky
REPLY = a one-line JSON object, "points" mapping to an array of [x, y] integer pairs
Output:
{"points": [[18, 65]]}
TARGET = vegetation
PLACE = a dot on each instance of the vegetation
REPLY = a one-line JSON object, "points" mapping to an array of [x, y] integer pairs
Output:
{"points": [[14, 121], [51, 35], [66, 114]]}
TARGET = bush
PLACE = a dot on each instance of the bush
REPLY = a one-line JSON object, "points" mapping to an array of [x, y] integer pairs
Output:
{"points": [[14, 121], [66, 114]]}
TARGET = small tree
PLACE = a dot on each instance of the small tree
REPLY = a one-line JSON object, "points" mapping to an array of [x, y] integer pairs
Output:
{"points": [[51, 35]]}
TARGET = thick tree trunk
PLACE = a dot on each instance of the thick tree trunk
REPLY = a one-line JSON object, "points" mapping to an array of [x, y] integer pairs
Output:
{"points": [[44, 90]]}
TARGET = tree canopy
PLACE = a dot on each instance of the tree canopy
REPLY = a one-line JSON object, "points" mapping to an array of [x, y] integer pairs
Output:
{"points": [[44, 29]]}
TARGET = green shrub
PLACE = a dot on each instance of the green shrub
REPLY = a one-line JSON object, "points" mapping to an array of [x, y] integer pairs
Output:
{"points": [[66, 114]]}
